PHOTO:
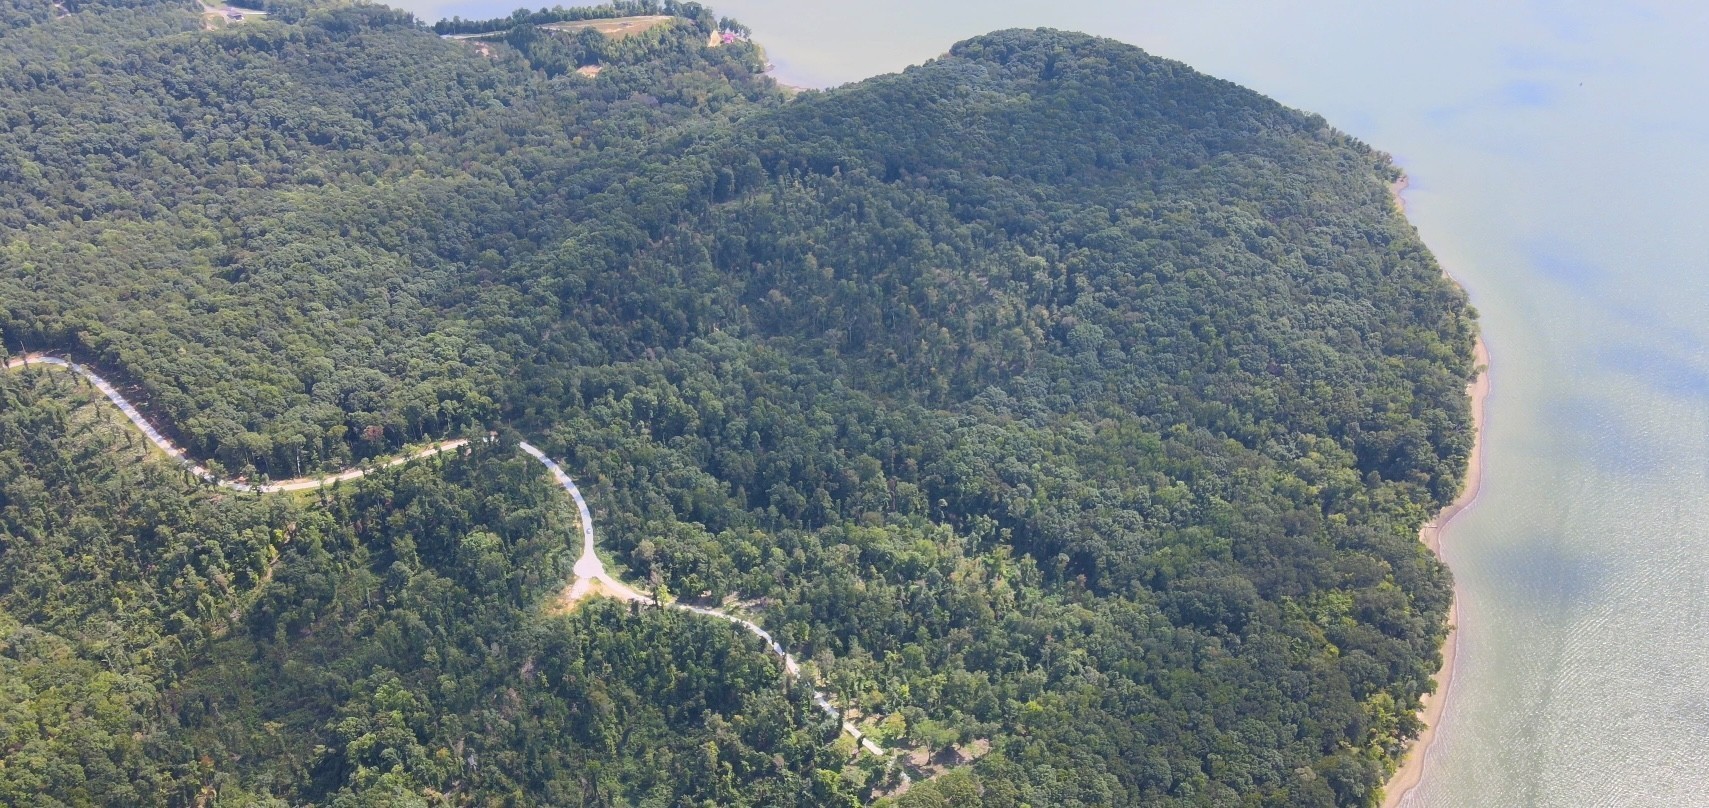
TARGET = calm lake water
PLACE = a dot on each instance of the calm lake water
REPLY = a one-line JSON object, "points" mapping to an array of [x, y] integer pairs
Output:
{"points": [[1559, 154]]}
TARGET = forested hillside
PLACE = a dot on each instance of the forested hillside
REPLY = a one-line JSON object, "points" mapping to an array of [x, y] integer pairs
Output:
{"points": [[1074, 413]]}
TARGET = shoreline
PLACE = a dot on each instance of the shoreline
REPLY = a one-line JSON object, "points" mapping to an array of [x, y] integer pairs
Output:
{"points": [[1411, 770]]}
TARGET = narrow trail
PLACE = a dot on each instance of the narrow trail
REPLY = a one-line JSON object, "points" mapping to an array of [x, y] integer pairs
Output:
{"points": [[591, 577]]}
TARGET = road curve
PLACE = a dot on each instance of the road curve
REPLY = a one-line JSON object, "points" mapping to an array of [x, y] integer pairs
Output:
{"points": [[589, 570], [790, 667], [166, 445]]}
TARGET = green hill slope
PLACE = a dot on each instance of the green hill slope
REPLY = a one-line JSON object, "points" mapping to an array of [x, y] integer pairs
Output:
{"points": [[1070, 410]]}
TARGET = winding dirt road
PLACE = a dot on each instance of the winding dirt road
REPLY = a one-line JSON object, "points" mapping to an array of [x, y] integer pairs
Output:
{"points": [[165, 444], [589, 569], [591, 576]]}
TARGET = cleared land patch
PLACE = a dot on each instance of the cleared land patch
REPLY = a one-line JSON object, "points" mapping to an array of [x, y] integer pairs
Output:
{"points": [[614, 27], [216, 15]]}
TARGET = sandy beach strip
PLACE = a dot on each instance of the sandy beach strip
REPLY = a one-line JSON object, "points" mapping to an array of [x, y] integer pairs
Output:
{"points": [[1411, 770]]}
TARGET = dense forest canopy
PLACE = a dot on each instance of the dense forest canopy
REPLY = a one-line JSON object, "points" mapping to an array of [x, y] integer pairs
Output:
{"points": [[1072, 412]]}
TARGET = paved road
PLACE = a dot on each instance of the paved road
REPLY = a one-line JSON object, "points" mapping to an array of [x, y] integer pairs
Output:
{"points": [[589, 570]]}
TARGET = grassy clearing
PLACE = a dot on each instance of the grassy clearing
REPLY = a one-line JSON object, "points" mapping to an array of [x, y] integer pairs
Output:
{"points": [[219, 15], [615, 27]]}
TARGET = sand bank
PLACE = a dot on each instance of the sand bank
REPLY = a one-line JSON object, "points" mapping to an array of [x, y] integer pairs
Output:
{"points": [[1411, 771]]}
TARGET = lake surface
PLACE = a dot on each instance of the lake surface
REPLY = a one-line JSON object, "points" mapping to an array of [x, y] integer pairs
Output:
{"points": [[1559, 154]]}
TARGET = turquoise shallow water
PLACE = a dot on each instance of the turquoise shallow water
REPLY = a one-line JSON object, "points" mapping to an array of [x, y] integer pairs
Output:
{"points": [[1559, 154]]}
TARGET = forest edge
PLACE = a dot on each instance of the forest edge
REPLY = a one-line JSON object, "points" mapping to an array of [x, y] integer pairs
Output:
{"points": [[1411, 770]]}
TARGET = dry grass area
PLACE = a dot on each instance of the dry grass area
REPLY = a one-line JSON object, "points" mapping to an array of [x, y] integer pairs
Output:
{"points": [[615, 27], [218, 15]]}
